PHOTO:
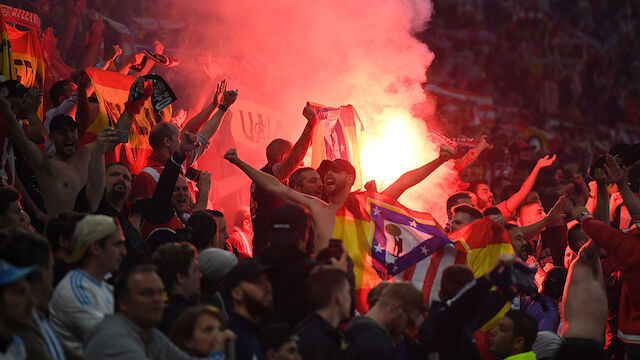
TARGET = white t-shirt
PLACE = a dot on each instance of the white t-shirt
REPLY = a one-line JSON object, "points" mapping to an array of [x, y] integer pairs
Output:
{"points": [[78, 303]]}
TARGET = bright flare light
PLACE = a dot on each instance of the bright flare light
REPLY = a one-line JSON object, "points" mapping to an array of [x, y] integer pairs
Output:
{"points": [[399, 145]]}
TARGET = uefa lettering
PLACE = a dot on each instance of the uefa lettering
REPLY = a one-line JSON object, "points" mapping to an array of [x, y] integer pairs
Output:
{"points": [[255, 132]]}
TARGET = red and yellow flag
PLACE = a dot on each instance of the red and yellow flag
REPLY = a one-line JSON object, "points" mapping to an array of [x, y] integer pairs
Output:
{"points": [[486, 241], [6, 56], [20, 57], [27, 57], [112, 90]]}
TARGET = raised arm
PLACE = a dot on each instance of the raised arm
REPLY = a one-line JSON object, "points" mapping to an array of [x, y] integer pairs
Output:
{"points": [[195, 123], [138, 94], [472, 154], [204, 186], [518, 198], [617, 175], [160, 209], [413, 177], [271, 183], [107, 140], [83, 113], [555, 216], [75, 11], [211, 126], [601, 209], [91, 53], [30, 103], [283, 169], [35, 157], [618, 245], [134, 59]]}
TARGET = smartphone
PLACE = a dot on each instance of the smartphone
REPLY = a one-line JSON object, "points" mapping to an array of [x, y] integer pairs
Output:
{"points": [[123, 136], [335, 248], [192, 174]]}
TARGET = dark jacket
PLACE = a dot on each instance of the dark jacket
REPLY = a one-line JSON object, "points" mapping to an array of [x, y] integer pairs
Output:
{"points": [[248, 346], [60, 269], [449, 328], [160, 218], [288, 269], [137, 251], [321, 341], [263, 205], [370, 341], [176, 305]]}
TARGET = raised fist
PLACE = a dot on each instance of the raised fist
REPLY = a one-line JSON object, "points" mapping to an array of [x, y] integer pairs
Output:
{"points": [[83, 80], [204, 181], [484, 141], [231, 155], [158, 48], [229, 97], [112, 53], [309, 114], [615, 172], [371, 186], [446, 152]]}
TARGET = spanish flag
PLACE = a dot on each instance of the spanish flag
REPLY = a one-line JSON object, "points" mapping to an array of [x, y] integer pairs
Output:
{"points": [[112, 90], [388, 241], [337, 136], [6, 56], [485, 241]]}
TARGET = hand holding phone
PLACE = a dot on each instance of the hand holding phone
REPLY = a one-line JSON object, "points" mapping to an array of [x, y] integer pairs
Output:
{"points": [[123, 136], [192, 174]]}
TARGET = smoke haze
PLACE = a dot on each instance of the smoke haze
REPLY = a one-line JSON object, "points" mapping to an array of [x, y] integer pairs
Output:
{"points": [[283, 53]]}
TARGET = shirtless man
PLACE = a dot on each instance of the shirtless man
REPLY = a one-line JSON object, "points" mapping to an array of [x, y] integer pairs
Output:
{"points": [[338, 182], [585, 303], [63, 176]]}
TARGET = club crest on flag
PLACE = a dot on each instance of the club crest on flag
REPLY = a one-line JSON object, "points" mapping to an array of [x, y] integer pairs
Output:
{"points": [[400, 241]]}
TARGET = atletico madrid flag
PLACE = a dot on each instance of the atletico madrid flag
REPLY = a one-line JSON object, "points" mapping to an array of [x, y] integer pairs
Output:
{"points": [[388, 241]]}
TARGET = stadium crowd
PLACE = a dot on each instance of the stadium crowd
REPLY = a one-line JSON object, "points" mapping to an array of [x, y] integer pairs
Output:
{"points": [[98, 262]]}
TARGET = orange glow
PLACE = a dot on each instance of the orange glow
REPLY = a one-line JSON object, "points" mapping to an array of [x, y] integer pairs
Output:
{"points": [[398, 145]]}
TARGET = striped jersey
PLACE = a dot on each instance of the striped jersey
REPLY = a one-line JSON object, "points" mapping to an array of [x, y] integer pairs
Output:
{"points": [[78, 303]]}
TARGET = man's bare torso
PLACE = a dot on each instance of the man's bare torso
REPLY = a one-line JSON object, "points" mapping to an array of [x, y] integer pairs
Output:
{"points": [[60, 181], [585, 294]]}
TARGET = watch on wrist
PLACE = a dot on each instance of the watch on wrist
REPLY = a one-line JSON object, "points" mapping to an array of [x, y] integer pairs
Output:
{"points": [[223, 108], [582, 216]]}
